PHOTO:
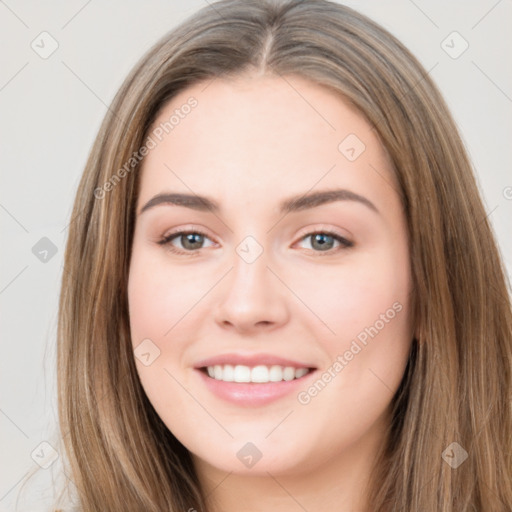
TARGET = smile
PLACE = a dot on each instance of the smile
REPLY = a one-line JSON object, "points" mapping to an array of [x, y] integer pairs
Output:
{"points": [[256, 374], [253, 386]]}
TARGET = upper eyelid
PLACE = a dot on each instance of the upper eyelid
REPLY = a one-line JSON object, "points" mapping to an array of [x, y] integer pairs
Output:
{"points": [[183, 231], [322, 228]]}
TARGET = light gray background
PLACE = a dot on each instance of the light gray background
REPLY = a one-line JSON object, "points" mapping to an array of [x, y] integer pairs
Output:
{"points": [[51, 110]]}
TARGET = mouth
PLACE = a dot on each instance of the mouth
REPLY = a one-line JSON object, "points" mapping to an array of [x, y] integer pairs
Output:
{"points": [[247, 381], [260, 374]]}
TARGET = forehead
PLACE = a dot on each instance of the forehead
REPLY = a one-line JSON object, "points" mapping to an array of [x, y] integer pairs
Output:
{"points": [[262, 138]]}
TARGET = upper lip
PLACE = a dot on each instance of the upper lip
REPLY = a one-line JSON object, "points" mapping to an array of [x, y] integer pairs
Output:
{"points": [[250, 360]]}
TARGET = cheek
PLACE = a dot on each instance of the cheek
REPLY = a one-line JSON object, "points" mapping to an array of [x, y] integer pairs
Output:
{"points": [[369, 311], [366, 329], [158, 304], [349, 298], [158, 296]]}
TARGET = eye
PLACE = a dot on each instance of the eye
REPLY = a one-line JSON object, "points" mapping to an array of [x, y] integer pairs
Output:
{"points": [[324, 241], [191, 241]]}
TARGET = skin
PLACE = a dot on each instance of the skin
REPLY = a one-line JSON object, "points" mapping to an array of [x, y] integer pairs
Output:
{"points": [[250, 143]]}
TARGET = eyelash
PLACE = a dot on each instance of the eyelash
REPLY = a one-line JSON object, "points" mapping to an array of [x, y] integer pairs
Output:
{"points": [[166, 241]]}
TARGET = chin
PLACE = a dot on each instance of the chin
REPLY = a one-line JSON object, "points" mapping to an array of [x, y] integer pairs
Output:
{"points": [[258, 458]]}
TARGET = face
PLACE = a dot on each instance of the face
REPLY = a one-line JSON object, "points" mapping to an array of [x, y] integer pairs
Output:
{"points": [[271, 327]]}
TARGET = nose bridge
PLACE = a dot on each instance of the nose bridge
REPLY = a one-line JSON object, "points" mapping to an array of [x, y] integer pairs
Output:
{"points": [[251, 294], [252, 252], [250, 274]]}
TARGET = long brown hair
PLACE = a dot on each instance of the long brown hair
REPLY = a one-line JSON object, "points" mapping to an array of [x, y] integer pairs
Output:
{"points": [[457, 386]]}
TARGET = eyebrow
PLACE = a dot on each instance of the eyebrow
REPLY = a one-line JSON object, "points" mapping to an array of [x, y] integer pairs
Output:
{"points": [[292, 204]]}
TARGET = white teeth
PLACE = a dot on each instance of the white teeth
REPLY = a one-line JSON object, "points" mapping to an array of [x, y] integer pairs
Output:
{"points": [[276, 373], [228, 373], [242, 374], [289, 373], [300, 372], [261, 373]]}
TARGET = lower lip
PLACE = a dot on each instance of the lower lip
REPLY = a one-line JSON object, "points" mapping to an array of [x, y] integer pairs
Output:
{"points": [[251, 394]]}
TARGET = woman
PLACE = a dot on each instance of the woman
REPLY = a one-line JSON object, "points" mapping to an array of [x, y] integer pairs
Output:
{"points": [[280, 285]]}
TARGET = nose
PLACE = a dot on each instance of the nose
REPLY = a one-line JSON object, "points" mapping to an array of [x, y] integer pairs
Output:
{"points": [[252, 297]]}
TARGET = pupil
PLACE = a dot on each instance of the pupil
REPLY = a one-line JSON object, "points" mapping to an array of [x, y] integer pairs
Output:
{"points": [[320, 239], [192, 238]]}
